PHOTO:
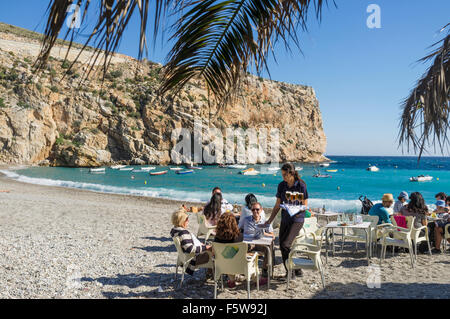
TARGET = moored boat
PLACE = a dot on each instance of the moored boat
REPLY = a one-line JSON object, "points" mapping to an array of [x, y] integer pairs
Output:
{"points": [[421, 178], [148, 168], [324, 165], [250, 171], [237, 166], [176, 168], [322, 175], [117, 166], [159, 173], [126, 169], [97, 170], [372, 168], [185, 172]]}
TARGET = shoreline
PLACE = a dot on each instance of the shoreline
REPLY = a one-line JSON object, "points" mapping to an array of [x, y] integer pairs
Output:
{"points": [[57, 242]]}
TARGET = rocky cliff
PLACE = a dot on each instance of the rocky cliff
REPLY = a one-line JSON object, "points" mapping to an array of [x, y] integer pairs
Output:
{"points": [[51, 118]]}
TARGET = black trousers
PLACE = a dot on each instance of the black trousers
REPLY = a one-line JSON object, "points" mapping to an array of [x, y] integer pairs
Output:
{"points": [[288, 231]]}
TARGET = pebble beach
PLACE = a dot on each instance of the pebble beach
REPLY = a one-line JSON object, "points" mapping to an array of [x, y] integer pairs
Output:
{"points": [[67, 243]]}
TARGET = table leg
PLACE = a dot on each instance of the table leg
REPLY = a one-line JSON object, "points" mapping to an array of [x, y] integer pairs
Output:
{"points": [[332, 242], [367, 246], [326, 245]]}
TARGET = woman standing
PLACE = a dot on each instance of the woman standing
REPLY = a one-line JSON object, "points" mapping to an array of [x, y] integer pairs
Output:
{"points": [[290, 226]]}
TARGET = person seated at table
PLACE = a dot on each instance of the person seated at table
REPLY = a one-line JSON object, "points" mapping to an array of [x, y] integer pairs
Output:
{"points": [[381, 209], [442, 212], [227, 231], [189, 242], [253, 231], [401, 201], [212, 210], [225, 205], [416, 208], [250, 199], [441, 196]]}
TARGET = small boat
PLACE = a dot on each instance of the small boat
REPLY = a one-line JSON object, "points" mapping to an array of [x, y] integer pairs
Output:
{"points": [[299, 168], [185, 172], [250, 171], [176, 168], [324, 165], [273, 168], [126, 169], [238, 166], [223, 165], [194, 167], [332, 170], [148, 168], [97, 170], [159, 173], [322, 175], [421, 178], [372, 168], [118, 166]]}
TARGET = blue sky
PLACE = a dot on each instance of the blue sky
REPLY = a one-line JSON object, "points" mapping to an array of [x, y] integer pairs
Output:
{"points": [[360, 75]]}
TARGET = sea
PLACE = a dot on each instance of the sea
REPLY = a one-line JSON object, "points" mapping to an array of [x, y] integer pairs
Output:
{"points": [[340, 192]]}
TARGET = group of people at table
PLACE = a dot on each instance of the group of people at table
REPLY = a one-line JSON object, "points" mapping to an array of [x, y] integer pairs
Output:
{"points": [[416, 207], [251, 222]]}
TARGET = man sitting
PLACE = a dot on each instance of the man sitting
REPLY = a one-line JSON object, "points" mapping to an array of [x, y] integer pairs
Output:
{"points": [[253, 230], [381, 209], [442, 212]]}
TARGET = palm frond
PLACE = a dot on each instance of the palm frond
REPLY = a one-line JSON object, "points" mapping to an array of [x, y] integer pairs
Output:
{"points": [[218, 40], [113, 18], [425, 117]]}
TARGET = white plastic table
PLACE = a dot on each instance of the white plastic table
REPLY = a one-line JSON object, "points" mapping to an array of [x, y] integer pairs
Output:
{"points": [[364, 226], [267, 243], [327, 215]]}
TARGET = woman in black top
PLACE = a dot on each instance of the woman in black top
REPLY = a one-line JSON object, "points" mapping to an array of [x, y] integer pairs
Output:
{"points": [[290, 226]]}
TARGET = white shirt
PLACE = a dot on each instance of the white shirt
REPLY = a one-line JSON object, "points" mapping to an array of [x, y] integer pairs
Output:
{"points": [[398, 206]]}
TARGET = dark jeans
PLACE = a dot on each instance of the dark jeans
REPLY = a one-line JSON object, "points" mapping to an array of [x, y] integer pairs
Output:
{"points": [[288, 231]]}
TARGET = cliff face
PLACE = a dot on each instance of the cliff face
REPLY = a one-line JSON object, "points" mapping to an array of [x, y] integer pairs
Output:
{"points": [[50, 119]]}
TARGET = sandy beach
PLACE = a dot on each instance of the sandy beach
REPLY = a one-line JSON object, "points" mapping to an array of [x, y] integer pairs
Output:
{"points": [[67, 243]]}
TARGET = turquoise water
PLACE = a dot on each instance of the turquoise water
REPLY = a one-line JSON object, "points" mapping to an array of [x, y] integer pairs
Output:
{"points": [[352, 179]]}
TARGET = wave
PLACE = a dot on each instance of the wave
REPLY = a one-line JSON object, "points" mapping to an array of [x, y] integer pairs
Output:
{"points": [[340, 205]]}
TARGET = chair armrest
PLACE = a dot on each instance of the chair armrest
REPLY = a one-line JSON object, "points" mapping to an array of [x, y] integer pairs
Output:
{"points": [[384, 225], [311, 248], [446, 228], [251, 257]]}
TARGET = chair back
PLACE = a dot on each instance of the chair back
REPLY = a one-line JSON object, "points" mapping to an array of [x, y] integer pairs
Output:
{"points": [[230, 258], [202, 224], [182, 256], [398, 221], [310, 225]]}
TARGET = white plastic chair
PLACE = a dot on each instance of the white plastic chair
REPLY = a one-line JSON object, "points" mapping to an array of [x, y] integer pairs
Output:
{"points": [[416, 238], [446, 236], [232, 259], [184, 259], [401, 238], [204, 228], [313, 262], [311, 233]]}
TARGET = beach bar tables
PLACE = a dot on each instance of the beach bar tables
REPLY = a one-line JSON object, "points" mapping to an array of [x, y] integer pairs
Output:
{"points": [[267, 243], [363, 226]]}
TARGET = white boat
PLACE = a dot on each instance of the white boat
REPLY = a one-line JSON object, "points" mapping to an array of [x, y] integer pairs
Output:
{"points": [[118, 166], [421, 178], [97, 170], [324, 165], [148, 168], [238, 166], [250, 171], [299, 168], [373, 168], [126, 169], [273, 168], [176, 168]]}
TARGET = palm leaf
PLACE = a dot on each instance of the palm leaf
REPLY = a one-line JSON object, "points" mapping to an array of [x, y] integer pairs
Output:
{"points": [[219, 40], [425, 118], [214, 40]]}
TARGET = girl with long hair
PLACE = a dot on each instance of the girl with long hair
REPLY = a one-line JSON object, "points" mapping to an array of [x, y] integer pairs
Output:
{"points": [[213, 209]]}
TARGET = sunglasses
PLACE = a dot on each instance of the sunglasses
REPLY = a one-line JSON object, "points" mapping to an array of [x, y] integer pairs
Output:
{"points": [[255, 209]]}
